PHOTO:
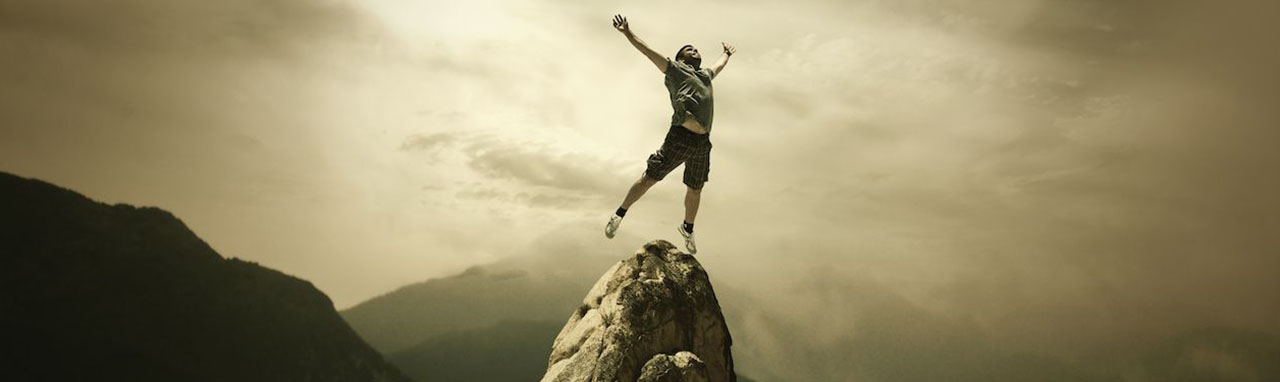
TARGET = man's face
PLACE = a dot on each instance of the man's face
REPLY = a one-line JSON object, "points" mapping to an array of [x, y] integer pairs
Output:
{"points": [[691, 54]]}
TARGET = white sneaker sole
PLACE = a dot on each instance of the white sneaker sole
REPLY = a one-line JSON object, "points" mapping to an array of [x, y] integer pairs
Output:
{"points": [[610, 233], [688, 241]]}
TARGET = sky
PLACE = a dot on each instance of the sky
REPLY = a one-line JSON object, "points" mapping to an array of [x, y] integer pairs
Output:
{"points": [[1066, 176]]}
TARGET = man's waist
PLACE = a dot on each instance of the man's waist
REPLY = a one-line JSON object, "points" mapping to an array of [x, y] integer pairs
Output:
{"points": [[688, 132], [699, 123]]}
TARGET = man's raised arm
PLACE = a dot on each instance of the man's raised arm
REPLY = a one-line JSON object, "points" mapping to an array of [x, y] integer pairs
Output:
{"points": [[620, 23], [724, 59]]}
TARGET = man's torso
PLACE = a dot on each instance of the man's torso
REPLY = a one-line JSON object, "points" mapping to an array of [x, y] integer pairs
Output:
{"points": [[691, 96]]}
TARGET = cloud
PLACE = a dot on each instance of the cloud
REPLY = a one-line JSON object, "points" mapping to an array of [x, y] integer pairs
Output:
{"points": [[155, 27], [567, 171], [869, 332], [208, 110], [527, 172], [427, 143], [1060, 178], [1019, 182]]}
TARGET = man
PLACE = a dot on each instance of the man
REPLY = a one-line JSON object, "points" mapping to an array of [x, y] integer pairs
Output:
{"points": [[688, 140]]}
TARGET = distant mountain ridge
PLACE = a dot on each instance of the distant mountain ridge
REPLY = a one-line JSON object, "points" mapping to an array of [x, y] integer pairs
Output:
{"points": [[545, 288], [508, 351], [116, 292]]}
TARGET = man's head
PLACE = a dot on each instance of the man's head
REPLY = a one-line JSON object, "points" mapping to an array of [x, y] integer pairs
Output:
{"points": [[689, 55]]}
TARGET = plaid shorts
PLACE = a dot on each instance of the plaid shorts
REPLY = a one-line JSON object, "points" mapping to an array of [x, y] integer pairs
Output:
{"points": [[682, 147]]}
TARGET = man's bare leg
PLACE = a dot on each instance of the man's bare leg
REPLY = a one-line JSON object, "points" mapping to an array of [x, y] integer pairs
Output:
{"points": [[691, 200], [637, 190]]}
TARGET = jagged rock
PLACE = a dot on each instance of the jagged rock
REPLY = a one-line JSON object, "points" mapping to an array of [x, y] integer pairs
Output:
{"points": [[682, 367], [641, 312]]}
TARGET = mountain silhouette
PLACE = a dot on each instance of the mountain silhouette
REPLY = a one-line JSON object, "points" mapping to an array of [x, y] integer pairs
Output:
{"points": [[545, 287], [508, 351], [117, 292]]}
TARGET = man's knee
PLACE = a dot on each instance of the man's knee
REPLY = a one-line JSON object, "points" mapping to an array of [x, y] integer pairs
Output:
{"points": [[696, 191], [646, 180], [694, 183]]}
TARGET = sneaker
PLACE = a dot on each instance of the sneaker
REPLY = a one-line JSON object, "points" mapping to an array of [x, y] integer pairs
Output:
{"points": [[688, 240], [612, 226]]}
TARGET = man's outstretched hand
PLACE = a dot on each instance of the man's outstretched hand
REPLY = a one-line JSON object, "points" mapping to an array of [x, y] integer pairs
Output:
{"points": [[718, 66], [620, 23]]}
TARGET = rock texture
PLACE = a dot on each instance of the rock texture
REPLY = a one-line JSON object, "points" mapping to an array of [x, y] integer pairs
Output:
{"points": [[652, 317], [682, 367]]}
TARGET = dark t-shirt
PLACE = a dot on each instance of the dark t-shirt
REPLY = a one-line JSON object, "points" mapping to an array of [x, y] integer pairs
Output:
{"points": [[690, 91]]}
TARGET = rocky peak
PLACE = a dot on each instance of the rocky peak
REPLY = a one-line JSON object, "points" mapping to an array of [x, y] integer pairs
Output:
{"points": [[652, 317]]}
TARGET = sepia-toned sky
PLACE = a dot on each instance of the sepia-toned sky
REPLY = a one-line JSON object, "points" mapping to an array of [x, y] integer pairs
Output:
{"points": [[1064, 175]]}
